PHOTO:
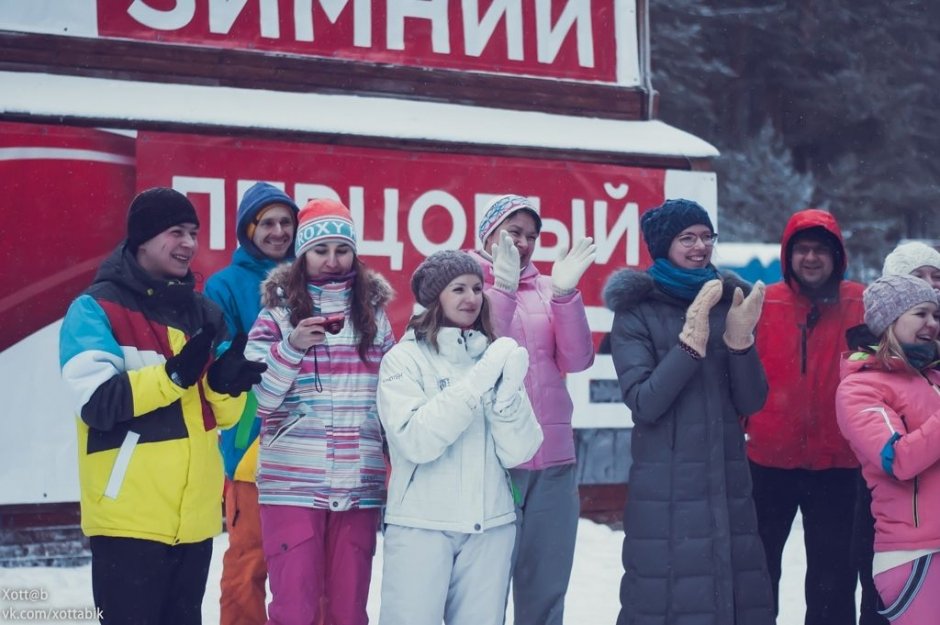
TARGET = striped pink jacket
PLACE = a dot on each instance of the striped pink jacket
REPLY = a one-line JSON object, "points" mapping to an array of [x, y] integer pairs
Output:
{"points": [[321, 441]]}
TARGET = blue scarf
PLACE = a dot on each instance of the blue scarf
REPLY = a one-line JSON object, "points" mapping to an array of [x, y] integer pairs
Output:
{"points": [[677, 282]]}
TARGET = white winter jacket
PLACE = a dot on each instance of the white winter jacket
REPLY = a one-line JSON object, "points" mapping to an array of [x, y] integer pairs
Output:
{"points": [[449, 448]]}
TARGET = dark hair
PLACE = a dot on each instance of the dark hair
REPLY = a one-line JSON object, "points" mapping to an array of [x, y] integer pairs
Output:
{"points": [[362, 308], [428, 323]]}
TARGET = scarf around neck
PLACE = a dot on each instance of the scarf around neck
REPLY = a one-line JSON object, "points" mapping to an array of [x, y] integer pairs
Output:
{"points": [[677, 282], [922, 355]]}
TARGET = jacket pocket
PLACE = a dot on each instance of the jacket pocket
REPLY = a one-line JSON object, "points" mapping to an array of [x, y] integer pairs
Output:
{"points": [[408, 483], [121, 463], [284, 429]]}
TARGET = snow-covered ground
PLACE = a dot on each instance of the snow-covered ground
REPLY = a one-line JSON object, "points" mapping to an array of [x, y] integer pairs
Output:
{"points": [[592, 598]]}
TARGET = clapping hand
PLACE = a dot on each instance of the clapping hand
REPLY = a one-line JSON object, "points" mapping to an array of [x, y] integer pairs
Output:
{"points": [[571, 265], [506, 268], [743, 316]]}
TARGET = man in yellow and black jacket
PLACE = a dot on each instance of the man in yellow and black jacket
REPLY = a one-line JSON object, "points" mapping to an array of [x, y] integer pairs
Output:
{"points": [[136, 348]]}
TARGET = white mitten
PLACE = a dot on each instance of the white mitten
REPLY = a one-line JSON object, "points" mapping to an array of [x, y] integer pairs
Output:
{"points": [[570, 266], [506, 267], [514, 371], [482, 377]]}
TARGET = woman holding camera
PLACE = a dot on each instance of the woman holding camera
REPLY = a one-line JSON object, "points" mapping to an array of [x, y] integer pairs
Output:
{"points": [[321, 475]]}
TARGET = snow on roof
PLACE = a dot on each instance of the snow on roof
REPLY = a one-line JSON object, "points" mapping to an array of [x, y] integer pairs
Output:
{"points": [[99, 98]]}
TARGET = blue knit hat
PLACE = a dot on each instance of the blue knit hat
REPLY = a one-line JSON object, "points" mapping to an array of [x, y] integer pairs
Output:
{"points": [[661, 225], [500, 209], [257, 197]]}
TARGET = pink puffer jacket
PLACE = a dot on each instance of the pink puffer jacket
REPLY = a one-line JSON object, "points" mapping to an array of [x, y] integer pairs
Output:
{"points": [[556, 334], [895, 413]]}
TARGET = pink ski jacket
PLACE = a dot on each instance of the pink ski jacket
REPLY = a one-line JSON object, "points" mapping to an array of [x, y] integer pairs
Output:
{"points": [[892, 422]]}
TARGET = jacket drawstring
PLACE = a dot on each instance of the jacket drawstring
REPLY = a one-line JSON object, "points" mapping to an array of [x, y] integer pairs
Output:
{"points": [[317, 384]]}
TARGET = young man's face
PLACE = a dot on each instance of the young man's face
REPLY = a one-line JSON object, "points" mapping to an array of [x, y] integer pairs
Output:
{"points": [[274, 232], [811, 260], [169, 254]]}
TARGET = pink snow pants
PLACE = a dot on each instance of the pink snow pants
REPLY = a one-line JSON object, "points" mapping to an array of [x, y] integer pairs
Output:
{"points": [[314, 553], [911, 591]]}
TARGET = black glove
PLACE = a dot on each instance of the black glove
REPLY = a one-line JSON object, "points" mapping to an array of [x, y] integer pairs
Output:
{"points": [[186, 367], [232, 373]]}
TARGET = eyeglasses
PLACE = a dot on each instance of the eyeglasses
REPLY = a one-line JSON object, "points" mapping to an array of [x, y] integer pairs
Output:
{"points": [[688, 240]]}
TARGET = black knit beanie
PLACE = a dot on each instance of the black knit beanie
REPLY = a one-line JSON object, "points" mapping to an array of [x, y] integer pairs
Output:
{"points": [[436, 272], [155, 210], [661, 225]]}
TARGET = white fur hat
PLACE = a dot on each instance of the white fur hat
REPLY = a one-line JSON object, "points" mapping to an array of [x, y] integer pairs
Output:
{"points": [[907, 257]]}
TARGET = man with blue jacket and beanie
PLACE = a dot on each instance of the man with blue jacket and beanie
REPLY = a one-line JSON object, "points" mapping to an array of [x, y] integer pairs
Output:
{"points": [[265, 225]]}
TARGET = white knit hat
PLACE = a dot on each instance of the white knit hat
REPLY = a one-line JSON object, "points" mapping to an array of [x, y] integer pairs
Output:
{"points": [[907, 257]]}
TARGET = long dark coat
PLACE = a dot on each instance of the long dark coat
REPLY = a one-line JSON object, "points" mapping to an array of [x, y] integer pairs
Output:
{"points": [[691, 551]]}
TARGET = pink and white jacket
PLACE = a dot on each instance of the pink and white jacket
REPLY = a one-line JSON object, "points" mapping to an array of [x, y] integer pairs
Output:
{"points": [[321, 440], [556, 334], [892, 422]]}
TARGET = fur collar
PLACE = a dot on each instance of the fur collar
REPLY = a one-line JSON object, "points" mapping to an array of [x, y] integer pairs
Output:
{"points": [[272, 289], [628, 287]]}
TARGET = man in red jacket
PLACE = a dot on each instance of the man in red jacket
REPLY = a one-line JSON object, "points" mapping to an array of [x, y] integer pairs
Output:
{"points": [[799, 459]]}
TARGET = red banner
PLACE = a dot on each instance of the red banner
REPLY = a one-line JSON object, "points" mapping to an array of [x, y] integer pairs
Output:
{"points": [[65, 193], [407, 204], [565, 39]]}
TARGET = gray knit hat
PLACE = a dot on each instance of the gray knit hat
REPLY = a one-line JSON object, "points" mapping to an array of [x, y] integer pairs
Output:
{"points": [[907, 257], [436, 272], [889, 297]]}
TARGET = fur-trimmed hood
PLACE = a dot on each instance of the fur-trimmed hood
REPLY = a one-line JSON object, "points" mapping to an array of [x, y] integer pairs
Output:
{"points": [[273, 294], [628, 287]]}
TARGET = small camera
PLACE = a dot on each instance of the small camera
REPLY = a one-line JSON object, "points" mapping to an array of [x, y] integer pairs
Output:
{"points": [[333, 323]]}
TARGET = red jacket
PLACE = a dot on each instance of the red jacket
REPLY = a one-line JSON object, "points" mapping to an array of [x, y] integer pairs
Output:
{"points": [[797, 427]]}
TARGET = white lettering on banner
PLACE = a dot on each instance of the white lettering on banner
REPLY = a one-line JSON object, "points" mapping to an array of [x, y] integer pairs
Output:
{"points": [[419, 209], [477, 31], [215, 189], [223, 13], [163, 19], [550, 38], [625, 230], [388, 246], [433, 10], [362, 19]]}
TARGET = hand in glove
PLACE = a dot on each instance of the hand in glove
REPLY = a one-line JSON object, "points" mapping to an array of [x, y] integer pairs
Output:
{"points": [[185, 368], [743, 316], [695, 331], [232, 373], [506, 267], [482, 377], [568, 269], [514, 370]]}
